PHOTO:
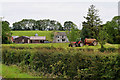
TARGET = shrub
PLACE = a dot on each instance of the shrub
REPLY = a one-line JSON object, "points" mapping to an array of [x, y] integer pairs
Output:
{"points": [[63, 63]]}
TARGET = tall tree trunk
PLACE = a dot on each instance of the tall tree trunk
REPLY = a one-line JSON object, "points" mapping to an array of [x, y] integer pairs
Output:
{"points": [[102, 46]]}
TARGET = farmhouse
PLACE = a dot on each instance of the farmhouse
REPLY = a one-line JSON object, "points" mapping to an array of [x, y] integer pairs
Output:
{"points": [[31, 39], [60, 37]]}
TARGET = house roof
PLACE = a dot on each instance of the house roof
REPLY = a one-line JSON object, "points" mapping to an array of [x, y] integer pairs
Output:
{"points": [[60, 33], [22, 37], [31, 37], [15, 37], [37, 38]]}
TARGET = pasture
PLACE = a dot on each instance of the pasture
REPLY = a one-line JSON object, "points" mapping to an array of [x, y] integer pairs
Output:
{"points": [[13, 72], [32, 33]]}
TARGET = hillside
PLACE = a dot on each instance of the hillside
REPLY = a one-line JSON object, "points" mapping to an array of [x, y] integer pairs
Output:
{"points": [[32, 33]]}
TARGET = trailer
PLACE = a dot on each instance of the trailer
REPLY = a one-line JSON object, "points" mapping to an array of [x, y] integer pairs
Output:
{"points": [[80, 43]]}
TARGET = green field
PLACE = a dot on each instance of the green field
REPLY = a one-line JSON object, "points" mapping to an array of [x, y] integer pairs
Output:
{"points": [[32, 33], [13, 72]]}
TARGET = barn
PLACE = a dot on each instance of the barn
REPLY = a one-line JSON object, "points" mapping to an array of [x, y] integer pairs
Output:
{"points": [[31, 39], [22, 39], [37, 39]]}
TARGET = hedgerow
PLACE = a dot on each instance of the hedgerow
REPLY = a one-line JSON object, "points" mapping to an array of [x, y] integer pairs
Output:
{"points": [[62, 63]]}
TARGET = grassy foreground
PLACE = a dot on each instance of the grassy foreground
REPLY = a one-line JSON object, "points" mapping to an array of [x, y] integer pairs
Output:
{"points": [[13, 72]]}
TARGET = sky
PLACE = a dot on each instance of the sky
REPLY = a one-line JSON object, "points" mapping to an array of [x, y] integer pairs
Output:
{"points": [[59, 10]]}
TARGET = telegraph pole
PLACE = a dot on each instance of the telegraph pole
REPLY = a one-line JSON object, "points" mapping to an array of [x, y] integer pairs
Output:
{"points": [[1, 30]]}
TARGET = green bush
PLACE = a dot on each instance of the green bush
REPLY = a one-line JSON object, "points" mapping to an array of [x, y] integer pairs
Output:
{"points": [[63, 63]]}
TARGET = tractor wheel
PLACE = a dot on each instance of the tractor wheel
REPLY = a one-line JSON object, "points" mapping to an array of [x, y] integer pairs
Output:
{"points": [[74, 45], [81, 44], [70, 45], [95, 43]]}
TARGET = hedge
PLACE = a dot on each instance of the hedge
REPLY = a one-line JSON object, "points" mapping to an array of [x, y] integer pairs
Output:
{"points": [[65, 63]]}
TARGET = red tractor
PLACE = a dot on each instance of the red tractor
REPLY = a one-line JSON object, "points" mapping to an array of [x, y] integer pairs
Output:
{"points": [[80, 43]]}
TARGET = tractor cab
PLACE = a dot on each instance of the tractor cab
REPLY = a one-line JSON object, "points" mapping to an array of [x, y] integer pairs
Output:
{"points": [[77, 43]]}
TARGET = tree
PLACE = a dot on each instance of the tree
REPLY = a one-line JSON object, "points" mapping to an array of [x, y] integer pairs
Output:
{"points": [[68, 25], [30, 24], [25, 24], [72, 35], [92, 25], [102, 37], [113, 30], [6, 34]]}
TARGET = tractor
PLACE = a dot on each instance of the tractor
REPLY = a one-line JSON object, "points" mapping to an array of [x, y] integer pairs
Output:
{"points": [[80, 43], [92, 42], [77, 43]]}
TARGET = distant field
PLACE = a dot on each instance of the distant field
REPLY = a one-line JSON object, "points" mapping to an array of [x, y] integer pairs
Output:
{"points": [[32, 33]]}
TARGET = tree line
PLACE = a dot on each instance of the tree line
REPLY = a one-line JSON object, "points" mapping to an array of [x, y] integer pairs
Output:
{"points": [[92, 27], [43, 25]]}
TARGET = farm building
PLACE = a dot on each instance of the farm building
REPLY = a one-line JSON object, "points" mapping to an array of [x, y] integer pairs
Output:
{"points": [[22, 39], [31, 39], [13, 38], [37, 39], [60, 37]]}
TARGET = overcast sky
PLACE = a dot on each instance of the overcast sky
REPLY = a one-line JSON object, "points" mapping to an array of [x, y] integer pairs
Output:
{"points": [[60, 10]]}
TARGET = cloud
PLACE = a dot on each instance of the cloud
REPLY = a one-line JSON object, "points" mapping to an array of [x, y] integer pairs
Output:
{"points": [[60, 11]]}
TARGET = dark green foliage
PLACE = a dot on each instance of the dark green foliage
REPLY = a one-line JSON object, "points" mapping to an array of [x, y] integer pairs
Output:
{"points": [[72, 35], [6, 34], [68, 25], [30, 24], [113, 30], [65, 64], [92, 25], [102, 37]]}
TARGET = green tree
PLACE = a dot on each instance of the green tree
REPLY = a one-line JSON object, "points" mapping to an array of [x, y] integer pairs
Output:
{"points": [[25, 24], [68, 25], [92, 25], [113, 30], [72, 35], [6, 34], [102, 37]]}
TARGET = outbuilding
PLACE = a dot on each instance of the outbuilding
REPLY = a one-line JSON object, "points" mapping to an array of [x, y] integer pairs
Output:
{"points": [[22, 39]]}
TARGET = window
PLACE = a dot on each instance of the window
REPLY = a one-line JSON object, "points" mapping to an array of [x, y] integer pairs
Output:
{"points": [[63, 40]]}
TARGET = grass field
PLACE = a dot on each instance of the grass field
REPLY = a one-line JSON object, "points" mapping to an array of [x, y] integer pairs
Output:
{"points": [[32, 33], [13, 72]]}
